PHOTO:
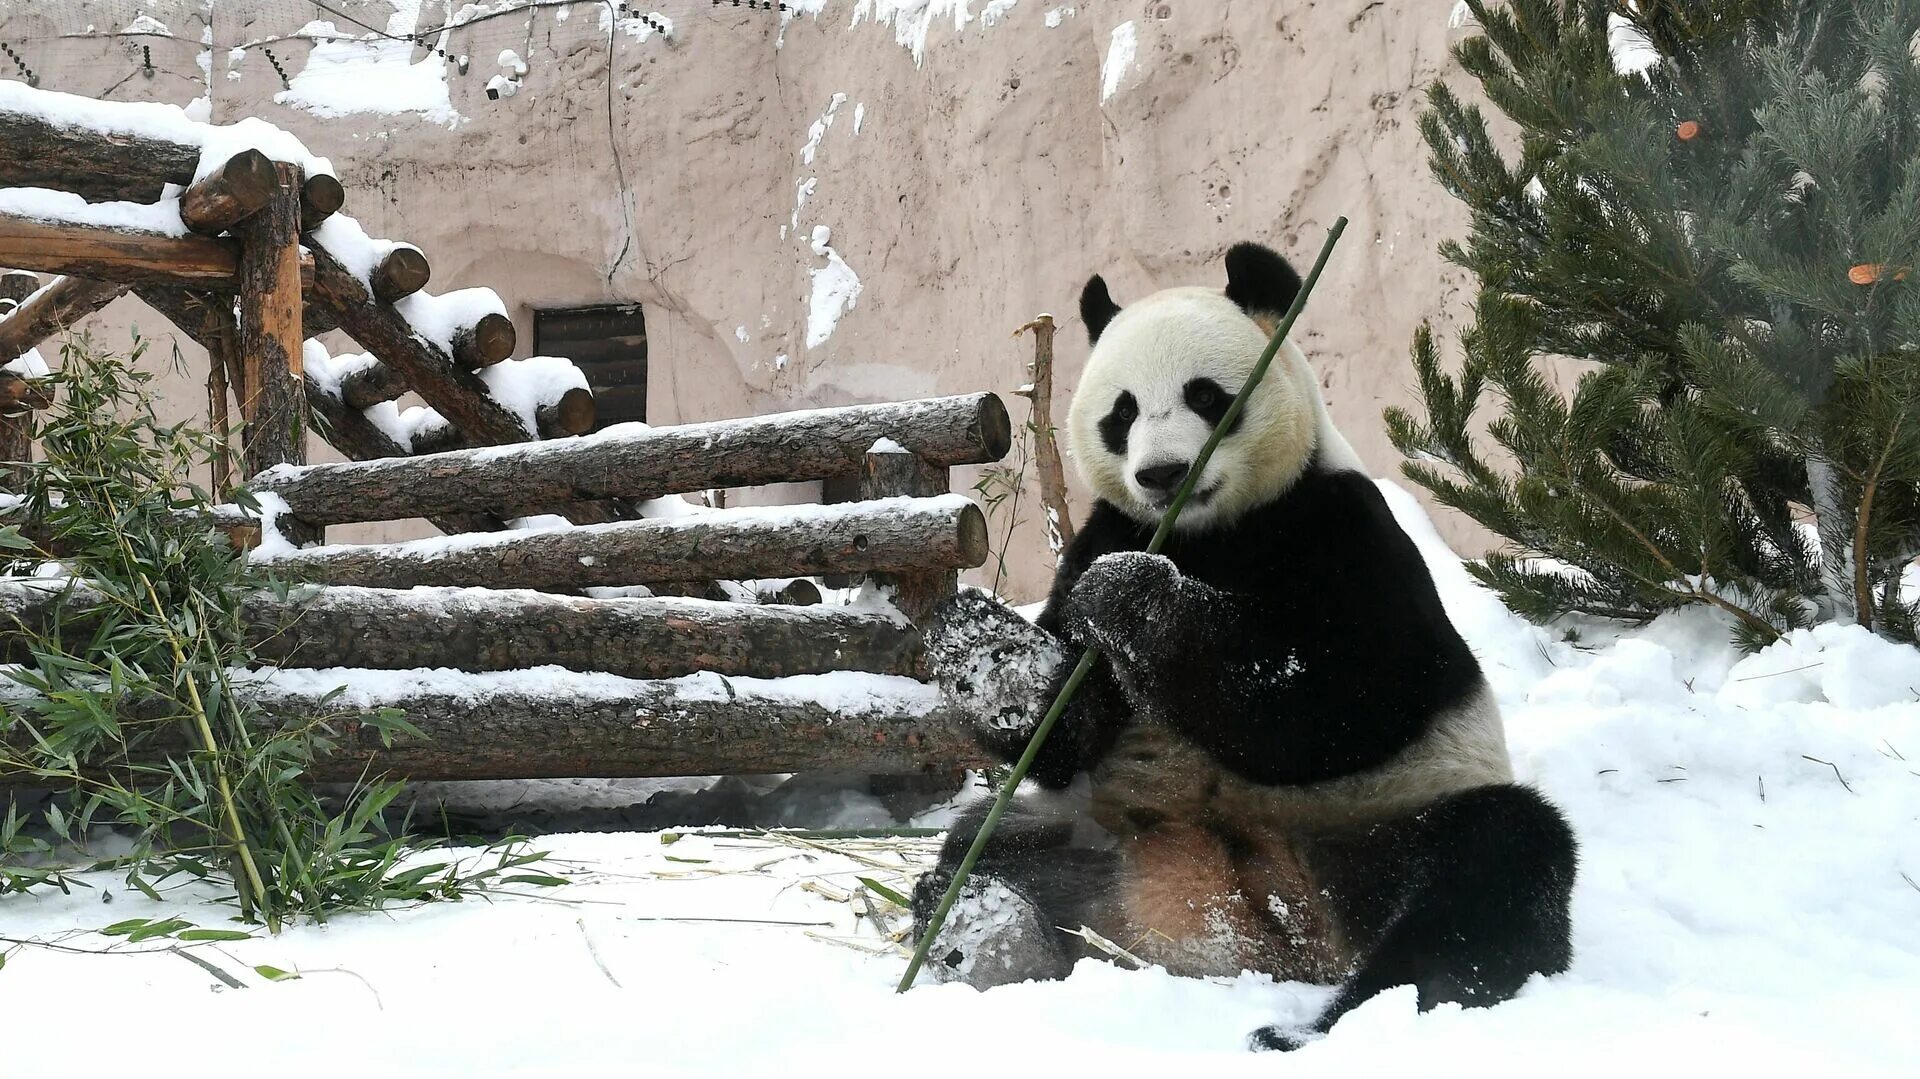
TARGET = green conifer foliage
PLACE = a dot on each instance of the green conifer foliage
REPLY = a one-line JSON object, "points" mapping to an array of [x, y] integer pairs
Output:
{"points": [[1727, 241]]}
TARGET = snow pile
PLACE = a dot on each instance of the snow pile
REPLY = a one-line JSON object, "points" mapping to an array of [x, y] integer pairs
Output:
{"points": [[819, 128], [836, 288], [345, 76], [439, 318]]}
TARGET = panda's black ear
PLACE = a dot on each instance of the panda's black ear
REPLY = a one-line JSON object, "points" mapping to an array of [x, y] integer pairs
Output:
{"points": [[1260, 281], [1096, 308]]}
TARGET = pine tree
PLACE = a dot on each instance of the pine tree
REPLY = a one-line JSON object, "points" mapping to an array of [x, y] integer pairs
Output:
{"points": [[1726, 240]]}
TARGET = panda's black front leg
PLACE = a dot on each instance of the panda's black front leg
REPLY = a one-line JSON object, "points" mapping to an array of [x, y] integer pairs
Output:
{"points": [[1150, 621]]}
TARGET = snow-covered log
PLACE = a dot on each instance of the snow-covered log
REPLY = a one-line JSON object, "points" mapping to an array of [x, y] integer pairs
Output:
{"points": [[61, 304], [892, 535], [492, 630], [573, 414], [17, 285], [229, 194], [486, 342], [126, 255], [37, 151], [647, 463], [321, 196], [401, 272], [553, 724], [448, 388]]}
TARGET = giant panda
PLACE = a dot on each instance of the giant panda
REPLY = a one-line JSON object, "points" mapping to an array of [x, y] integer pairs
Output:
{"points": [[1287, 759]]}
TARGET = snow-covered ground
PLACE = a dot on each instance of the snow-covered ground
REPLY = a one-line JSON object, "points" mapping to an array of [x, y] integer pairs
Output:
{"points": [[1748, 905]]}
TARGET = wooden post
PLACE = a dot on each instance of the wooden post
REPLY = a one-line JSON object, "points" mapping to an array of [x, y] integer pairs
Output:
{"points": [[17, 285], [229, 194], [321, 196], [274, 406], [888, 471], [486, 342], [403, 272], [1046, 447], [19, 397]]}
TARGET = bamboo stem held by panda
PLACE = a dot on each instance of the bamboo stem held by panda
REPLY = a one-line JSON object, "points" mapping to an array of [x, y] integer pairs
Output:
{"points": [[1091, 655]]}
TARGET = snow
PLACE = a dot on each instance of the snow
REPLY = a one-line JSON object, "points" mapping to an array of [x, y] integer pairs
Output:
{"points": [[836, 288], [912, 19], [1745, 906], [29, 364], [65, 207], [147, 24], [859, 116], [819, 128], [1058, 15], [346, 76], [1122, 45], [1632, 53]]}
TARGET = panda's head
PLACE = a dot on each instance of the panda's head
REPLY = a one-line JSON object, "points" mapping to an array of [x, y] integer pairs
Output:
{"points": [[1163, 371]]}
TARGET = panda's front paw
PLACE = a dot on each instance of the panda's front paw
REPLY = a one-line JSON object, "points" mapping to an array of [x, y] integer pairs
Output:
{"points": [[1121, 604], [993, 665]]}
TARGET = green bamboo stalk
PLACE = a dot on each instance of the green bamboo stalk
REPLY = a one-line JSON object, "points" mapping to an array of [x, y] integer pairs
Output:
{"points": [[1091, 655]]}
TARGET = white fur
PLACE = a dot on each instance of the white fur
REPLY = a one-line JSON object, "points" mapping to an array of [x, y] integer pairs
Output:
{"points": [[1152, 349]]}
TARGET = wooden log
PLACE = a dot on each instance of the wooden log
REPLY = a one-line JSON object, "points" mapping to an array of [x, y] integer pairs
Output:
{"points": [[486, 342], [450, 390], [787, 447], [898, 535], [270, 335], [321, 196], [229, 194], [17, 285], [117, 254], [60, 306], [513, 726], [896, 473], [1046, 446], [573, 414], [36, 152], [489, 630], [16, 451], [20, 394], [370, 384], [401, 273]]}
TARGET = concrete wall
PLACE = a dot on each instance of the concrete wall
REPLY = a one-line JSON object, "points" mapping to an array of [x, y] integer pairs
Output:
{"points": [[987, 177]]}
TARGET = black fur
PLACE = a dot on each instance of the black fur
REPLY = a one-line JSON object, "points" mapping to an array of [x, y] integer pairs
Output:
{"points": [[1210, 402], [1117, 422], [1259, 280], [1096, 307], [1322, 579]]}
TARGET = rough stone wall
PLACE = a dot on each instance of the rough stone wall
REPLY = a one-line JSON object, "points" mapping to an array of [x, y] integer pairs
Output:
{"points": [[968, 187]]}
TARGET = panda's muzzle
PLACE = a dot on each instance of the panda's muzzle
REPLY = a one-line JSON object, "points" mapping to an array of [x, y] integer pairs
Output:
{"points": [[1162, 479]]}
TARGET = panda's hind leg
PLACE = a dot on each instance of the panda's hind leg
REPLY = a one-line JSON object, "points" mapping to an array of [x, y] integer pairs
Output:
{"points": [[1464, 900], [1031, 882]]}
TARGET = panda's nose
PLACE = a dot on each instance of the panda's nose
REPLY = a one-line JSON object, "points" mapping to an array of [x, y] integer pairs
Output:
{"points": [[1162, 477]]}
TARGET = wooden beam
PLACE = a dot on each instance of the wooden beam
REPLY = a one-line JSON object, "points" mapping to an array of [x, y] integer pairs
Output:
{"points": [[117, 254], [37, 152], [229, 194], [403, 271], [450, 390], [781, 448], [60, 306], [321, 196], [486, 342], [899, 535], [123, 255], [274, 405], [370, 384], [492, 630], [510, 726], [897, 473], [17, 285], [572, 415]]}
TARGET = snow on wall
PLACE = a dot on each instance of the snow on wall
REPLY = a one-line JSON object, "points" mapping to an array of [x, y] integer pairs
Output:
{"points": [[346, 75], [912, 19], [1122, 46], [836, 288]]}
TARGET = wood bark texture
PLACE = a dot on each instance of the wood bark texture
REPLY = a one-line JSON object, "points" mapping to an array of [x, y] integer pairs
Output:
{"points": [[789, 447], [900, 535]]}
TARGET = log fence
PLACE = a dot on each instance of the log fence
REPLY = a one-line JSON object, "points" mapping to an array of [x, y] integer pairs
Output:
{"points": [[500, 644]]}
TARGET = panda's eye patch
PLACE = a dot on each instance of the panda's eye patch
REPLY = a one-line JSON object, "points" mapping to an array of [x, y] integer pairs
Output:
{"points": [[1115, 424], [1205, 397]]}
